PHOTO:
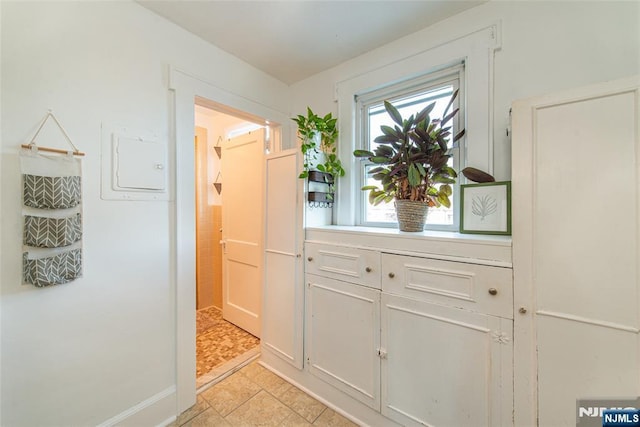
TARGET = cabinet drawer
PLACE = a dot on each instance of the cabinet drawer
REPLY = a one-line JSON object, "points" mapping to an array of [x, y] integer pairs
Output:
{"points": [[353, 265], [480, 288]]}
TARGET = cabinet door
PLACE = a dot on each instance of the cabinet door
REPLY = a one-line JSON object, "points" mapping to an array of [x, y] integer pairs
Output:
{"points": [[343, 335], [445, 366], [577, 281], [283, 288]]}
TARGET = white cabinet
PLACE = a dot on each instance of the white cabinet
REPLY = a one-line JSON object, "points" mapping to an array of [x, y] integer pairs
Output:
{"points": [[473, 287], [432, 346], [576, 255], [449, 354], [283, 295], [350, 264], [343, 337], [444, 366]]}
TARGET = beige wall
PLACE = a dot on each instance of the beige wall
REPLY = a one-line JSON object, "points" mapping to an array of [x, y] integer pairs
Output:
{"points": [[208, 235]]}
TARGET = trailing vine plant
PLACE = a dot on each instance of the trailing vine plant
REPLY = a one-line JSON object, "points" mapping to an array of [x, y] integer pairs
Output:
{"points": [[319, 135]]}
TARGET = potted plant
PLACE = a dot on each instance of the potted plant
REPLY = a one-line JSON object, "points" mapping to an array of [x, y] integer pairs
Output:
{"points": [[412, 168], [319, 135], [321, 162]]}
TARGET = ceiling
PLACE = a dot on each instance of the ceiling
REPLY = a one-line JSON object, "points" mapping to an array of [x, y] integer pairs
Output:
{"points": [[292, 40]]}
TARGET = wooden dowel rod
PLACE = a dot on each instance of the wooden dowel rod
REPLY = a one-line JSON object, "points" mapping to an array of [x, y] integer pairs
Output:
{"points": [[53, 150]]}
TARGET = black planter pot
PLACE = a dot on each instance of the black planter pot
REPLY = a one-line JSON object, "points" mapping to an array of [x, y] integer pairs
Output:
{"points": [[317, 176], [319, 196]]}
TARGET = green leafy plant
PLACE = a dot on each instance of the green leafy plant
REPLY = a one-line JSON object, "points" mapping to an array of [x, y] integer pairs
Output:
{"points": [[411, 158], [319, 135]]}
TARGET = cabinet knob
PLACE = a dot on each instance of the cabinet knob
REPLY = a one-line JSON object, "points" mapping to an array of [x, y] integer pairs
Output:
{"points": [[310, 259], [493, 291], [392, 275], [522, 310], [368, 269]]}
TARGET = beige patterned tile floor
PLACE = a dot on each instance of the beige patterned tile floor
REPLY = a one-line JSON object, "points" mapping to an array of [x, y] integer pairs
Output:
{"points": [[255, 396], [218, 341]]}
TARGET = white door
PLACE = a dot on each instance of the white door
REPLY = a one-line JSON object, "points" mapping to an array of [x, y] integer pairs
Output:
{"points": [[283, 303], [575, 250], [242, 230]]}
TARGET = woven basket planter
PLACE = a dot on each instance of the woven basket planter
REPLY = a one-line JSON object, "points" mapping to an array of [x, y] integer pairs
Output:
{"points": [[411, 215]]}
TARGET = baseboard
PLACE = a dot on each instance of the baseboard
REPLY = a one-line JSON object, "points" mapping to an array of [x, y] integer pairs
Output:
{"points": [[325, 393], [158, 410]]}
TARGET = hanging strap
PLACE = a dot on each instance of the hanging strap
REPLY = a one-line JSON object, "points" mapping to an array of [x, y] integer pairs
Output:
{"points": [[33, 144]]}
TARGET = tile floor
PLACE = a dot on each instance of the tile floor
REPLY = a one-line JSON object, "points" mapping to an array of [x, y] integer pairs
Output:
{"points": [[255, 396], [218, 341]]}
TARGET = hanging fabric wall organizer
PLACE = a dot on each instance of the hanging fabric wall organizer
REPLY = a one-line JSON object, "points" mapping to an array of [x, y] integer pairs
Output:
{"points": [[52, 212]]}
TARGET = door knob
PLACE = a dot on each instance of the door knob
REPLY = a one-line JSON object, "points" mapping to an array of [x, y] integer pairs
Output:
{"points": [[392, 275], [522, 310], [368, 269], [310, 259], [382, 353], [493, 291]]}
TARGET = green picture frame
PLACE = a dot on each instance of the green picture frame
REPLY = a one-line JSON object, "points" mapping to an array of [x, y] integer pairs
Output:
{"points": [[486, 208]]}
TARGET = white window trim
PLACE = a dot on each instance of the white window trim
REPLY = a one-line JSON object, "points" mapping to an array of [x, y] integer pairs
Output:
{"points": [[476, 50], [449, 73]]}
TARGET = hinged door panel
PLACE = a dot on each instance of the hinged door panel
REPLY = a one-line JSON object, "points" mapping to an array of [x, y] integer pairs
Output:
{"points": [[445, 366], [576, 255], [343, 336], [284, 288]]}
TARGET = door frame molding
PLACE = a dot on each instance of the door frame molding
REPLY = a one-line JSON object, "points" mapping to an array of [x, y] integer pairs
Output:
{"points": [[185, 88]]}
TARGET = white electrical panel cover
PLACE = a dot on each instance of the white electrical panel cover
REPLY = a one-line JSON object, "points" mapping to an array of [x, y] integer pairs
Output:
{"points": [[139, 164], [134, 165]]}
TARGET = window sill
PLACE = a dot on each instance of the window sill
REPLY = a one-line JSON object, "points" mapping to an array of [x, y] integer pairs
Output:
{"points": [[451, 246]]}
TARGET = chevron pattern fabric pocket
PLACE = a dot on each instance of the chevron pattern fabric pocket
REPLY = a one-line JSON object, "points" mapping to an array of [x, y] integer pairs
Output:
{"points": [[42, 232], [54, 270], [51, 192]]}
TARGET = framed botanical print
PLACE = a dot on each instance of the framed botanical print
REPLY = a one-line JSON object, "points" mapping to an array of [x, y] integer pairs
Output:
{"points": [[486, 208]]}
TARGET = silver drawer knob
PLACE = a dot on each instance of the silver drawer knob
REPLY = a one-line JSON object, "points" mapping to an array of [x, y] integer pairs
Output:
{"points": [[493, 291]]}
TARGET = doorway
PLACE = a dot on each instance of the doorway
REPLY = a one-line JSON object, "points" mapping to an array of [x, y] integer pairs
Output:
{"points": [[229, 156]]}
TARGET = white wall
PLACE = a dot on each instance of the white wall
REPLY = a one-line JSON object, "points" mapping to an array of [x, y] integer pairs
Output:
{"points": [[84, 352], [546, 46]]}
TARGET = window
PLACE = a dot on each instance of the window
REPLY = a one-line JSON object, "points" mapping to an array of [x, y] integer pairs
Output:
{"points": [[409, 97], [464, 61]]}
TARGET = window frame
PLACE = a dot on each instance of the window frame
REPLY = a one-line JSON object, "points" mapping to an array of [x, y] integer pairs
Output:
{"points": [[452, 75], [475, 46]]}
